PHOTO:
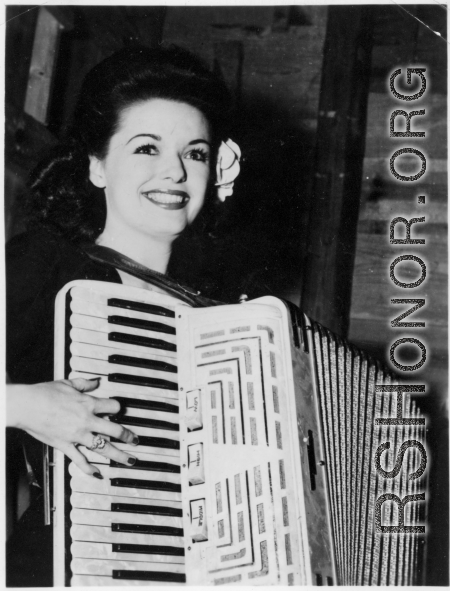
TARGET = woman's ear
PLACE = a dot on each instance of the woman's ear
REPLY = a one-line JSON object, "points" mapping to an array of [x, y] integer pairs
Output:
{"points": [[96, 172]]}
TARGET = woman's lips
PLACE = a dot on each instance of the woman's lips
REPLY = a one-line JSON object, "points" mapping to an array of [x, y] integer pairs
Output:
{"points": [[167, 199]]}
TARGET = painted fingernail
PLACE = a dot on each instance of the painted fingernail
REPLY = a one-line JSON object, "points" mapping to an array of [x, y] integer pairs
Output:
{"points": [[94, 379], [135, 440], [98, 475], [131, 461]]}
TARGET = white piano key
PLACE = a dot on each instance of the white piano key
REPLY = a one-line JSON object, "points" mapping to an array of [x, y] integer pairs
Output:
{"points": [[90, 308], [83, 483], [96, 581], [167, 452], [103, 311], [102, 325], [151, 432], [154, 298], [110, 389], [103, 502], [99, 352], [162, 394], [105, 568], [95, 533], [108, 472], [170, 455], [93, 337], [133, 390], [105, 368], [89, 323], [106, 518], [96, 458], [103, 487], [104, 551], [159, 415]]}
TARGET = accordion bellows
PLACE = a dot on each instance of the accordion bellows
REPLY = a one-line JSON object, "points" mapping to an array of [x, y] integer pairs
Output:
{"points": [[256, 456]]}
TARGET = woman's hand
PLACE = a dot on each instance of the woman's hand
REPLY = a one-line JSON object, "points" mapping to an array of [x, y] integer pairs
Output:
{"points": [[62, 415]]}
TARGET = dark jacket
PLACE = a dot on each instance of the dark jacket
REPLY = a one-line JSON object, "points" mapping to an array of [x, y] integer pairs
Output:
{"points": [[38, 265]]}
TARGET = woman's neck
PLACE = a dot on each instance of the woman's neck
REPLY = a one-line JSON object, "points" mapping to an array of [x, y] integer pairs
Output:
{"points": [[152, 253]]}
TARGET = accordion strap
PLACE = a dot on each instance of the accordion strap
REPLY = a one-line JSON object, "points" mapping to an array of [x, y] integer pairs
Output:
{"points": [[109, 256]]}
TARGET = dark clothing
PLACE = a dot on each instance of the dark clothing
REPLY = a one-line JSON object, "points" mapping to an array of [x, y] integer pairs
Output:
{"points": [[29, 551], [38, 265]]}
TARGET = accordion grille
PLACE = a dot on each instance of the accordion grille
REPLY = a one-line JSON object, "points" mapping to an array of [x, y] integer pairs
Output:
{"points": [[349, 405]]}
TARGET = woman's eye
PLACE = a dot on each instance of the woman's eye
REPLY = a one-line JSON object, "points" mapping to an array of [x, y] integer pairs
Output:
{"points": [[198, 155], [149, 149]]}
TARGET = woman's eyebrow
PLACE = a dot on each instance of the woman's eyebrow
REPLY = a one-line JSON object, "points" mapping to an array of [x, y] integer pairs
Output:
{"points": [[153, 136], [199, 141]]}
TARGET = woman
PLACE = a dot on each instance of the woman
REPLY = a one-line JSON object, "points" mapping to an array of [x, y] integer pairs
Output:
{"points": [[147, 145]]}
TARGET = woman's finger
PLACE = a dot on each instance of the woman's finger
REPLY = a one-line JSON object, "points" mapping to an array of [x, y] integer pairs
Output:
{"points": [[80, 460], [106, 406], [115, 430], [110, 452], [83, 385]]}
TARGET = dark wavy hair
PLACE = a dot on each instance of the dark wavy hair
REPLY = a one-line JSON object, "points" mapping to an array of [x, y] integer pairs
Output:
{"points": [[61, 196]]}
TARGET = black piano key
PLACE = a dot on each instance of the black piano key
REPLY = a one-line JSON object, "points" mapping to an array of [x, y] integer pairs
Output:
{"points": [[134, 339], [145, 509], [148, 465], [139, 323], [145, 363], [141, 307], [145, 484], [146, 404], [124, 378], [147, 549], [162, 442], [147, 575], [144, 422], [139, 528]]}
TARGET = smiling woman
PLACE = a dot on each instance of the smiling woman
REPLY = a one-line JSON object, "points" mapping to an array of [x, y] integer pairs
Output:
{"points": [[147, 148], [155, 177]]}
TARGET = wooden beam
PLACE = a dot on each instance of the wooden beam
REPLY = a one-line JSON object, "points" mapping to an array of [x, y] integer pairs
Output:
{"points": [[42, 68], [340, 141]]}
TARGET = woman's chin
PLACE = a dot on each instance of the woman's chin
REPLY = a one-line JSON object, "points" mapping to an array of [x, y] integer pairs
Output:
{"points": [[166, 231]]}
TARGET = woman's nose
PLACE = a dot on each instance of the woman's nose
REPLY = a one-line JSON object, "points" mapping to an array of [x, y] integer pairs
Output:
{"points": [[174, 169]]}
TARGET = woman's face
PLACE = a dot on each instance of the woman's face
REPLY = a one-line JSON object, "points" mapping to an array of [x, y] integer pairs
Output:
{"points": [[157, 169]]}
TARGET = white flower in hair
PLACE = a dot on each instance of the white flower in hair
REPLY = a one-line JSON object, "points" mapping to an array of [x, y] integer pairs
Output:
{"points": [[227, 168]]}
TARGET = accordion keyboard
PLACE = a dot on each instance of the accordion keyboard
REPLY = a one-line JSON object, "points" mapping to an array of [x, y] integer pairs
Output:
{"points": [[127, 528], [215, 495]]}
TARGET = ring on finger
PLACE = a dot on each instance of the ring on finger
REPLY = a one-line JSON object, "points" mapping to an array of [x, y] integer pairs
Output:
{"points": [[98, 442]]}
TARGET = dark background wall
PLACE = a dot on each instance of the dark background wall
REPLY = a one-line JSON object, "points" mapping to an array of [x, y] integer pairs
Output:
{"points": [[401, 40], [272, 58]]}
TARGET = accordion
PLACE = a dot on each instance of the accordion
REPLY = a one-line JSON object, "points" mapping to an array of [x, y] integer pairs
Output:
{"points": [[255, 463]]}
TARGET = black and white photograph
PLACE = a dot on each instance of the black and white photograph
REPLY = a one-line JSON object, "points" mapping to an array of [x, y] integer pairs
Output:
{"points": [[226, 294]]}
